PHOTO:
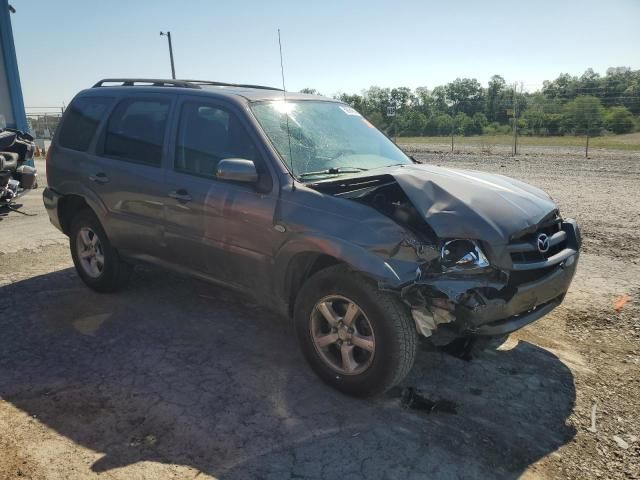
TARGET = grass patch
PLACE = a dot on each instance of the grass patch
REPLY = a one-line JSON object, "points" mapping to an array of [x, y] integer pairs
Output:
{"points": [[629, 141]]}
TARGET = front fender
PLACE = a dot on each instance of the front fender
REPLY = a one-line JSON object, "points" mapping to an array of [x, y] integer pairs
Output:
{"points": [[388, 272]]}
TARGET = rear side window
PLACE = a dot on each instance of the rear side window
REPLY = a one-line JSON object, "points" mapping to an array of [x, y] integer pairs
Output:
{"points": [[135, 131], [82, 120], [206, 135]]}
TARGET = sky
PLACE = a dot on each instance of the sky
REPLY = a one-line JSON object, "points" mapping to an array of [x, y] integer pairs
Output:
{"points": [[64, 46]]}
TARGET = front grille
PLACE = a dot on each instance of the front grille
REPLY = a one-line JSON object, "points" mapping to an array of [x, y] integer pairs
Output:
{"points": [[519, 277], [527, 260], [537, 256], [524, 249]]}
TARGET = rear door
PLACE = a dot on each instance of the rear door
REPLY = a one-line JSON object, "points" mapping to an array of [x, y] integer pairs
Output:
{"points": [[71, 156], [222, 229], [127, 172]]}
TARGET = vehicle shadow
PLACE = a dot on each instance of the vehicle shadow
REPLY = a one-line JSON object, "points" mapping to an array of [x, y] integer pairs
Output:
{"points": [[176, 371]]}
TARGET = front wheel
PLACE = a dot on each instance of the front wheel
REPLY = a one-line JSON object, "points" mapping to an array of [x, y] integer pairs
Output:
{"points": [[356, 338]]}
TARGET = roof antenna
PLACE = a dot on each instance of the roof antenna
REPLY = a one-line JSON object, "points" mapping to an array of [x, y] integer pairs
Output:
{"points": [[284, 95]]}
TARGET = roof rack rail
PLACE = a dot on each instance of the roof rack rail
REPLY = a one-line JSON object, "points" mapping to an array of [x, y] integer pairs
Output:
{"points": [[155, 82], [152, 82], [225, 84]]}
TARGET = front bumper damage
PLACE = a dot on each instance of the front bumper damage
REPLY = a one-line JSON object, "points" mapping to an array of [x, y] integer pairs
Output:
{"points": [[505, 216], [492, 303]]}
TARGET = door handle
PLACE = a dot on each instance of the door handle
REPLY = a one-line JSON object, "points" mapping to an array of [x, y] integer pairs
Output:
{"points": [[181, 195], [100, 177]]}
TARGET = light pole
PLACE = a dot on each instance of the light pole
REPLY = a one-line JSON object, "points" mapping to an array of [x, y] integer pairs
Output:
{"points": [[173, 69]]}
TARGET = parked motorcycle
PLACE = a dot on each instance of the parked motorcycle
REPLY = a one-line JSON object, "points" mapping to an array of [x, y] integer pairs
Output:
{"points": [[16, 177]]}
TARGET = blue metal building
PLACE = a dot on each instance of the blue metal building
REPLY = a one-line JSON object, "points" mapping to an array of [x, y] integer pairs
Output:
{"points": [[11, 101]]}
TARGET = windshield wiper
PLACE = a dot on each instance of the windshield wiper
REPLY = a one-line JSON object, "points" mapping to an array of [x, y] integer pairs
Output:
{"points": [[334, 171]]}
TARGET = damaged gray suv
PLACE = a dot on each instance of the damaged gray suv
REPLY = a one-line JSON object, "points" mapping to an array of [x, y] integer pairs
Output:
{"points": [[300, 203]]}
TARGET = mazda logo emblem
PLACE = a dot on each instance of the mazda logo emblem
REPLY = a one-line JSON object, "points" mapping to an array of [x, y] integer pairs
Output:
{"points": [[543, 243]]}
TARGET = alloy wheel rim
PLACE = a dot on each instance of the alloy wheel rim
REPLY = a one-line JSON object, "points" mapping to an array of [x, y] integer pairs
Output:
{"points": [[342, 335], [90, 252]]}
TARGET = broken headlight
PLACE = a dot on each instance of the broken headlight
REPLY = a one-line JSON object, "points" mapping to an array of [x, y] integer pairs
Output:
{"points": [[462, 255]]}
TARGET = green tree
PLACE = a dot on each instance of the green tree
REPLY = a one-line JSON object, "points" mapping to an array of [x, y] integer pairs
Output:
{"points": [[423, 101], [493, 106], [631, 95], [465, 95], [584, 116], [534, 119], [589, 81], [412, 123], [463, 125], [553, 123], [401, 97], [444, 124], [431, 127], [378, 99], [356, 101], [558, 108], [479, 122], [439, 99], [614, 84], [563, 87], [619, 120]]}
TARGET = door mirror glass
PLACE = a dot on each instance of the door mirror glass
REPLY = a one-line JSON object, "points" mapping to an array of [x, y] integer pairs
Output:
{"points": [[237, 170]]}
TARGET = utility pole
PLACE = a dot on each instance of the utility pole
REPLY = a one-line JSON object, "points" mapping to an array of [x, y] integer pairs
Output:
{"points": [[453, 126], [586, 151], [395, 130], [173, 68]]}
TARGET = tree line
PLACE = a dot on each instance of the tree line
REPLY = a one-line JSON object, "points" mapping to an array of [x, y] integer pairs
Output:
{"points": [[590, 104]]}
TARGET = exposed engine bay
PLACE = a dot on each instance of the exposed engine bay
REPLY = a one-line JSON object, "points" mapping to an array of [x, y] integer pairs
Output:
{"points": [[480, 269], [385, 195], [16, 176]]}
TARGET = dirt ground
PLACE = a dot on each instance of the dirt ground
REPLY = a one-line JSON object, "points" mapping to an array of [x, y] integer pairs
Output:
{"points": [[174, 378]]}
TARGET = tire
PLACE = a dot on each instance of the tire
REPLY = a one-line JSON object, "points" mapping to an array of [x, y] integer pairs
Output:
{"points": [[111, 273], [383, 340]]}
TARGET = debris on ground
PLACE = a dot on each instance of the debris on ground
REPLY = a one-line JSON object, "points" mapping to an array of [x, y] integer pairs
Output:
{"points": [[620, 302], [593, 428], [621, 443]]}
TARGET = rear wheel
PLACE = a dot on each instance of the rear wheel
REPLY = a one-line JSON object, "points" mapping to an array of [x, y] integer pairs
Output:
{"points": [[97, 262], [356, 338]]}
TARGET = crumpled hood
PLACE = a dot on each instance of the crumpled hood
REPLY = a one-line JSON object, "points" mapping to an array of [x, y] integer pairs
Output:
{"points": [[470, 204]]}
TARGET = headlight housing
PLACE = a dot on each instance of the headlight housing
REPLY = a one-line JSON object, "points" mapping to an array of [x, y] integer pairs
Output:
{"points": [[462, 254]]}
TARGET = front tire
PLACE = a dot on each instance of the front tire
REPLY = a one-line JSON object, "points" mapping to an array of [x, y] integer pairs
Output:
{"points": [[97, 262], [358, 339]]}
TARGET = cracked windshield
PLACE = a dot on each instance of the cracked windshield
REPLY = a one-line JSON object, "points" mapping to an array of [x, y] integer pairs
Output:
{"points": [[324, 139]]}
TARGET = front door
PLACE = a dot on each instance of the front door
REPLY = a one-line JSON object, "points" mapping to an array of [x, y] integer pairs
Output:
{"points": [[219, 228]]}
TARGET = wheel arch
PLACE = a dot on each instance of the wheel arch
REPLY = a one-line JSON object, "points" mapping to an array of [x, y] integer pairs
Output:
{"points": [[301, 267], [68, 207], [301, 258], [74, 200]]}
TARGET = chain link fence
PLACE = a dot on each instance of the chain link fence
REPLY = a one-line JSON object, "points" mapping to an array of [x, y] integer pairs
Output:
{"points": [[43, 122]]}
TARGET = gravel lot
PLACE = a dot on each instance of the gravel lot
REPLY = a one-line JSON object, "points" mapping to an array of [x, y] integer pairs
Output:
{"points": [[175, 378]]}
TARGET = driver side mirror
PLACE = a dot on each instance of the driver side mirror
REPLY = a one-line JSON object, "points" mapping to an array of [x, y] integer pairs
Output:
{"points": [[237, 170]]}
